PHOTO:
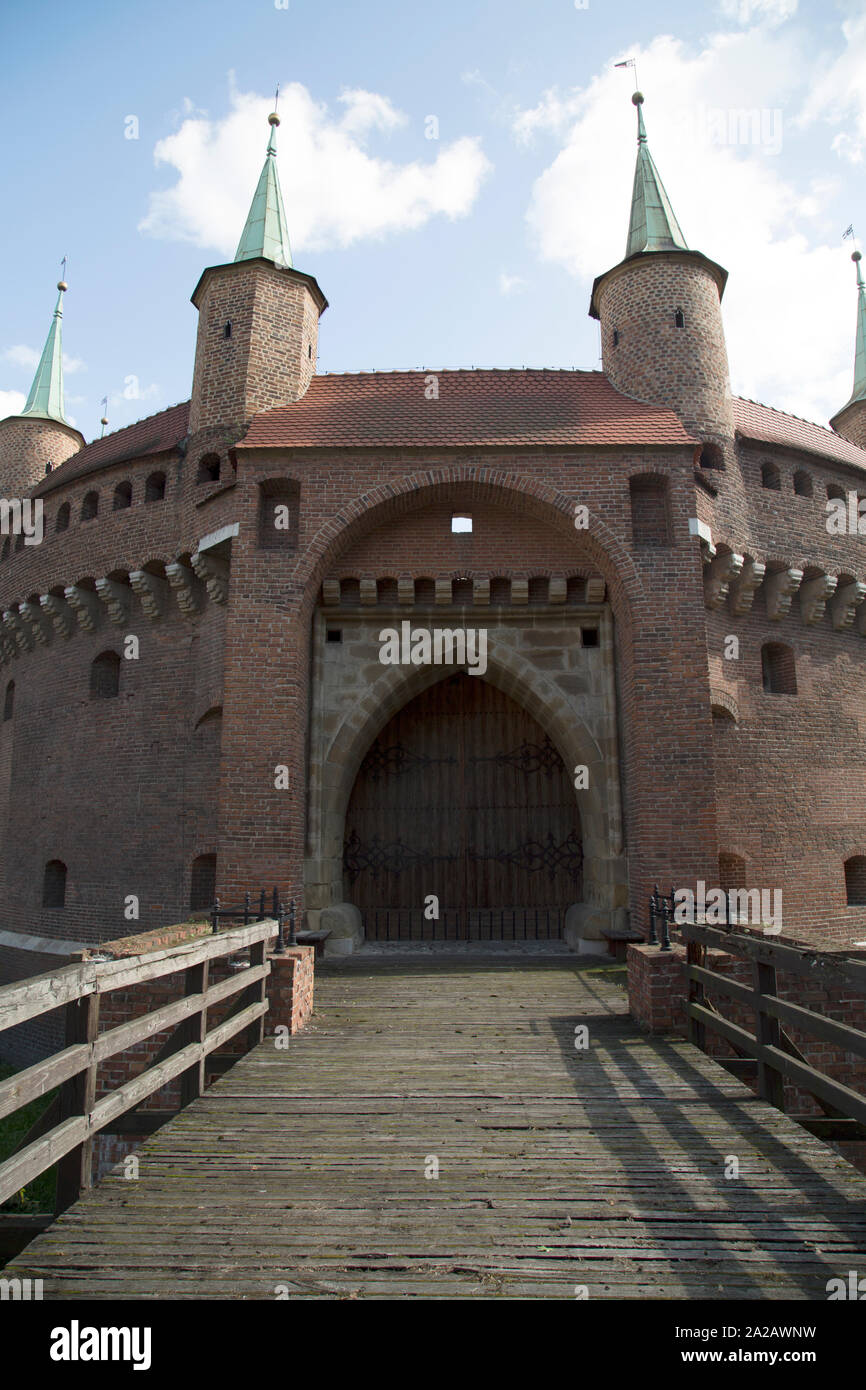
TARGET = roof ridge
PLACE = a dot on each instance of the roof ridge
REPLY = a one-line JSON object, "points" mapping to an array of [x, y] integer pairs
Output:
{"points": [[416, 371]]}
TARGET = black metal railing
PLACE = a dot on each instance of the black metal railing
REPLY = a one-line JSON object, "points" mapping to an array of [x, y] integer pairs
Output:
{"points": [[464, 924], [661, 914], [247, 913]]}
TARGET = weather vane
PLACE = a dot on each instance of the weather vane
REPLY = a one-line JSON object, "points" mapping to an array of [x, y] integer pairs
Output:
{"points": [[629, 63]]}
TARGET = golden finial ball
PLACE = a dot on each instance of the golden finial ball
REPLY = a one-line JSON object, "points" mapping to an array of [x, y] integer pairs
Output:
{"points": [[273, 118], [104, 420], [637, 99], [855, 256], [62, 285]]}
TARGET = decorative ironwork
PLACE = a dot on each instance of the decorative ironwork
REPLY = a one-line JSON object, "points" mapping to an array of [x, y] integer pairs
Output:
{"points": [[464, 924], [537, 855], [529, 757], [397, 759], [392, 858]]}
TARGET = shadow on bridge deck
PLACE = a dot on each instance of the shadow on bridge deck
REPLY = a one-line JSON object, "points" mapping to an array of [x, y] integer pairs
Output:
{"points": [[308, 1172]]}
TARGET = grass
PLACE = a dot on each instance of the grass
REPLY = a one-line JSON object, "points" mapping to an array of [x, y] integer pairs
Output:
{"points": [[38, 1195]]}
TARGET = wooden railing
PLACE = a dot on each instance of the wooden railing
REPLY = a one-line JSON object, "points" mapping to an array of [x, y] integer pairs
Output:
{"points": [[769, 1053], [79, 1115]]}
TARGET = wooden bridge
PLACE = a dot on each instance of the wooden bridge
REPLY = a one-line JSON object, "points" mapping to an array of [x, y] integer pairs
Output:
{"points": [[436, 1133]]}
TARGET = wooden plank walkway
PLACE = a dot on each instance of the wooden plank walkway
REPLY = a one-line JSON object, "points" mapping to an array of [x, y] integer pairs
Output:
{"points": [[304, 1170]]}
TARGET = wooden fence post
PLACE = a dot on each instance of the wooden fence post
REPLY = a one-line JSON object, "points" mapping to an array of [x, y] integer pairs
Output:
{"points": [[771, 1084], [694, 953], [255, 993], [192, 1081], [77, 1097]]}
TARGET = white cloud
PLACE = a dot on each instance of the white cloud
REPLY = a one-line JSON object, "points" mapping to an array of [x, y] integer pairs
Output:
{"points": [[28, 357], [336, 192], [11, 403], [839, 93], [770, 12], [509, 283], [553, 113], [369, 111], [789, 305]]}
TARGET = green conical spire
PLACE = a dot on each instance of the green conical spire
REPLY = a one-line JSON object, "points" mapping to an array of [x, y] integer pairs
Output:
{"points": [[46, 394], [266, 232], [859, 392], [653, 226]]}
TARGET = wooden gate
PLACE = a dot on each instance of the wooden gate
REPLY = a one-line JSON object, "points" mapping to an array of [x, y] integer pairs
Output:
{"points": [[463, 797]]}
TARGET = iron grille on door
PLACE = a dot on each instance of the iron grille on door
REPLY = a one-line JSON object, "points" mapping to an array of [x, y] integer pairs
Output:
{"points": [[464, 797]]}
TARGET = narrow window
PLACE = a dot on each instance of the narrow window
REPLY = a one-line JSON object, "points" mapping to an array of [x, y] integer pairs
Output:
{"points": [[680, 319], [616, 337], [778, 669], [802, 483], [54, 884], [105, 676], [209, 469], [154, 488], [202, 888], [122, 496], [9, 701], [770, 477], [712, 457], [90, 506], [227, 331], [589, 636], [835, 492], [855, 880], [62, 522]]}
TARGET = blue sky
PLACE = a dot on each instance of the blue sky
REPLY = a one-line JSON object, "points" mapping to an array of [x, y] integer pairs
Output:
{"points": [[474, 248]]}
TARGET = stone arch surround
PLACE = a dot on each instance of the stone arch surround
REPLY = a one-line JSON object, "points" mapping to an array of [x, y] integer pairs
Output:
{"points": [[333, 773]]}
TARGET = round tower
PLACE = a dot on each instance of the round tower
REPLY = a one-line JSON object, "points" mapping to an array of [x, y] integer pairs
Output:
{"points": [[40, 438], [850, 421], [258, 320], [660, 313]]}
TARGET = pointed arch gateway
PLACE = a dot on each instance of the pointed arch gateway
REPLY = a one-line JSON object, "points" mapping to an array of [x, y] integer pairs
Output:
{"points": [[463, 822], [528, 747]]}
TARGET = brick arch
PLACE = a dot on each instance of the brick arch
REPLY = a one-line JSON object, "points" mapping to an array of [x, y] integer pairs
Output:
{"points": [[599, 805], [520, 492], [721, 699]]}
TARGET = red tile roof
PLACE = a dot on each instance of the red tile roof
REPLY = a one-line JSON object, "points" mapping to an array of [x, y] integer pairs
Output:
{"points": [[475, 408], [157, 434], [760, 422]]}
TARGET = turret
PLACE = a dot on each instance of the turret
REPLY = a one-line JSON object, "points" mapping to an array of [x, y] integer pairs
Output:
{"points": [[660, 313], [258, 320], [850, 421], [40, 437]]}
